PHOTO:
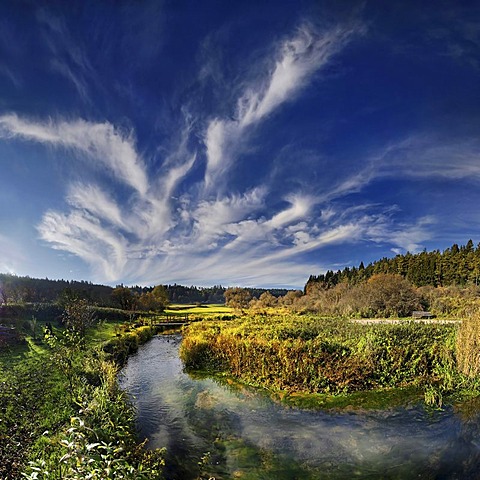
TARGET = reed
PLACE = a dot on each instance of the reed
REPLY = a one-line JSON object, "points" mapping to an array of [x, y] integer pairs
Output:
{"points": [[319, 355], [468, 345]]}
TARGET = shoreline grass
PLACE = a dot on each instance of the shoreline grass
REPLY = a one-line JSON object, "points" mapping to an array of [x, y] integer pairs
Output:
{"points": [[63, 414], [300, 354]]}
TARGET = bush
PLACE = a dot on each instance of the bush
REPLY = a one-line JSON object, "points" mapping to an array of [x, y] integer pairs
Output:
{"points": [[121, 347]]}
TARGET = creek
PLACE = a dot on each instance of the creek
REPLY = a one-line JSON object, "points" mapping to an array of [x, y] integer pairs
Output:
{"points": [[242, 433]]}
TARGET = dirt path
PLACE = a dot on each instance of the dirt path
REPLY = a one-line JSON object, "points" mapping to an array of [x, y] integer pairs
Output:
{"points": [[373, 321]]}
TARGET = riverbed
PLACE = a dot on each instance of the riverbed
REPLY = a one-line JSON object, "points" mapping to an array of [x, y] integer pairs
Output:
{"points": [[211, 428]]}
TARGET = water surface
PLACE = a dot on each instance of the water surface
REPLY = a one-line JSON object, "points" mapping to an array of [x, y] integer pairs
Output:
{"points": [[240, 433]]}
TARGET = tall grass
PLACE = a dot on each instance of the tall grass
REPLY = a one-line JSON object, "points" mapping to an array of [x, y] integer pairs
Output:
{"points": [[311, 354], [468, 345]]}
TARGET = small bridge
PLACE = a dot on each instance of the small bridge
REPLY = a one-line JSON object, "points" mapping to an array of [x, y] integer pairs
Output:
{"points": [[170, 321]]}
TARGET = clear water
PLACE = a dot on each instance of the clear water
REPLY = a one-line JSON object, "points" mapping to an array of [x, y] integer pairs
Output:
{"points": [[246, 435]]}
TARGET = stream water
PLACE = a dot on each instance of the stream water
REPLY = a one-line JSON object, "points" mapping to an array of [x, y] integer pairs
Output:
{"points": [[240, 433]]}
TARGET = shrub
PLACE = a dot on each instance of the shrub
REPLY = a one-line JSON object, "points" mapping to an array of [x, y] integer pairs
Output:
{"points": [[124, 345]]}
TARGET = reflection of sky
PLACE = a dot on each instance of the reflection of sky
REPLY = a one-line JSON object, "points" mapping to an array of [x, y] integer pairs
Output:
{"points": [[187, 415]]}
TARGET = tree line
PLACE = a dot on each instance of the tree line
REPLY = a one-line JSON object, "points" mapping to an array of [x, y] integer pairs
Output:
{"points": [[455, 266], [445, 283], [16, 290]]}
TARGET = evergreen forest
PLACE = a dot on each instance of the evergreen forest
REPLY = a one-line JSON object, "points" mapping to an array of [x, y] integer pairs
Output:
{"points": [[455, 266]]}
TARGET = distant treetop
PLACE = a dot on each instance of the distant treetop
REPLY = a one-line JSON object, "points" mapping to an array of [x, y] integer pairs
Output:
{"points": [[457, 265]]}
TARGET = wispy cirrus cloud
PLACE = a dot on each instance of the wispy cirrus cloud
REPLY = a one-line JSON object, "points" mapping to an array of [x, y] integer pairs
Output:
{"points": [[426, 156], [233, 238], [96, 202], [83, 234], [164, 219], [299, 57], [67, 55], [100, 143], [11, 75]]}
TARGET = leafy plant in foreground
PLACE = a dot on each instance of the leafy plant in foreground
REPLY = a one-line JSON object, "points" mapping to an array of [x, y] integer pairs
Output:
{"points": [[87, 459]]}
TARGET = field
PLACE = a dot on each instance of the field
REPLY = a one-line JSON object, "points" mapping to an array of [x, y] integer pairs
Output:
{"points": [[60, 401], [213, 310]]}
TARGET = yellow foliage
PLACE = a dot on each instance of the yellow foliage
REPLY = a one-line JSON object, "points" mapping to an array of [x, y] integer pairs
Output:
{"points": [[468, 345]]}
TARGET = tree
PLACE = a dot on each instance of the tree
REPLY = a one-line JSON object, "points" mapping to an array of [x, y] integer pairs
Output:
{"points": [[290, 297], [78, 316], [267, 300], [391, 295], [3, 293], [156, 300], [237, 297], [124, 298]]}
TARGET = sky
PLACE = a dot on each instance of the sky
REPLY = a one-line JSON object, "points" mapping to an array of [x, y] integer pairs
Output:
{"points": [[248, 143]]}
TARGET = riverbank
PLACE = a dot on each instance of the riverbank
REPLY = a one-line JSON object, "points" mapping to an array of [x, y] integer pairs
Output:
{"points": [[299, 354], [63, 414], [215, 428]]}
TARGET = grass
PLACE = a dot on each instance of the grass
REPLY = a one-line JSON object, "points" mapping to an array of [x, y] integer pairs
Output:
{"points": [[313, 355], [61, 406], [102, 332], [199, 310], [14, 355], [468, 346]]}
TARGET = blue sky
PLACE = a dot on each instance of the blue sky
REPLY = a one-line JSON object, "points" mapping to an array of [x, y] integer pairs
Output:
{"points": [[238, 143]]}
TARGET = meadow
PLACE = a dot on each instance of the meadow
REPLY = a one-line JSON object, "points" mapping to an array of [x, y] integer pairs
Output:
{"points": [[64, 416], [309, 354], [199, 311]]}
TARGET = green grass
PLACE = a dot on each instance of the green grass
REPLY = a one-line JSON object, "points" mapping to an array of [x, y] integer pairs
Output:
{"points": [[45, 387], [102, 332], [11, 356], [308, 354], [202, 310]]}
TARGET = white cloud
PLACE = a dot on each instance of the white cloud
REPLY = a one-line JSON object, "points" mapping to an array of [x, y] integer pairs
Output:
{"points": [[169, 225], [430, 157], [96, 202], [80, 85], [101, 143], [83, 235], [152, 235], [299, 208], [68, 57], [299, 58], [11, 75], [404, 237]]}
